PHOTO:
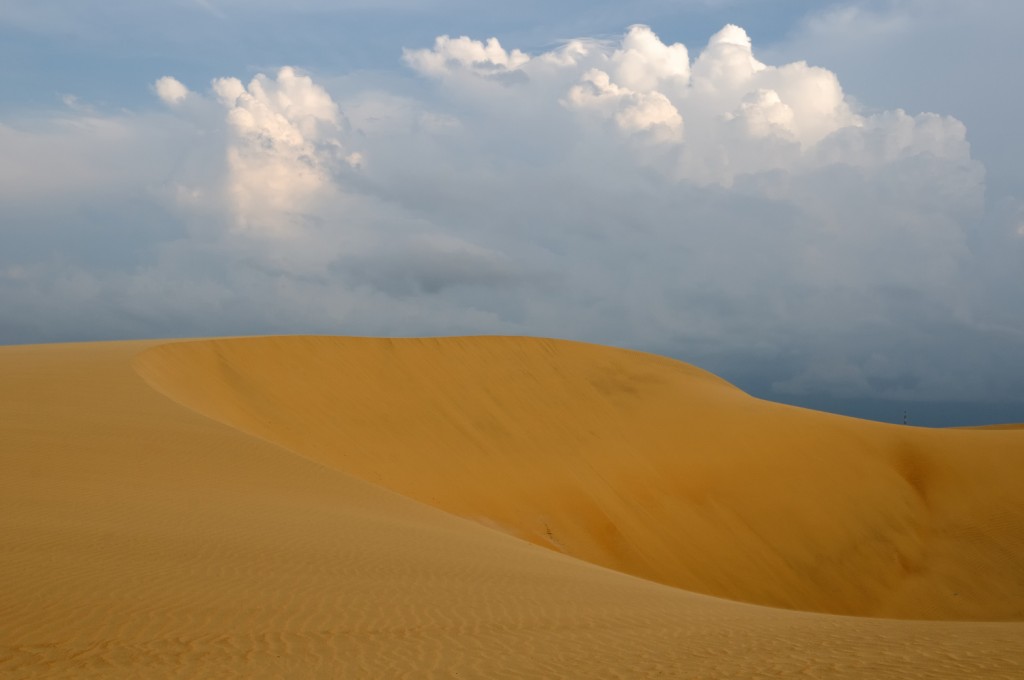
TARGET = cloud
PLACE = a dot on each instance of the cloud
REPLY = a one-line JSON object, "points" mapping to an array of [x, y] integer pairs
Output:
{"points": [[717, 207], [170, 90], [727, 63], [428, 264], [632, 111], [735, 114], [643, 62], [450, 55], [284, 146], [920, 55]]}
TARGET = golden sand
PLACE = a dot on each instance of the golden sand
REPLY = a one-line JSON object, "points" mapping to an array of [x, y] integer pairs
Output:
{"points": [[146, 536]]}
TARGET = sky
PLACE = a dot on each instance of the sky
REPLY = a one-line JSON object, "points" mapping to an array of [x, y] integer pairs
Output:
{"points": [[821, 202]]}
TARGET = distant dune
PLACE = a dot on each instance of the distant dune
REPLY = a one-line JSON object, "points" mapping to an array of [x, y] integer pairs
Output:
{"points": [[147, 536]]}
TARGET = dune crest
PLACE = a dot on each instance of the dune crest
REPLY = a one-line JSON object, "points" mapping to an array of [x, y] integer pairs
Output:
{"points": [[640, 463]]}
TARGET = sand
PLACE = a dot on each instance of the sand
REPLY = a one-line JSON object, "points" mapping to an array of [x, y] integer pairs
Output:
{"points": [[310, 507]]}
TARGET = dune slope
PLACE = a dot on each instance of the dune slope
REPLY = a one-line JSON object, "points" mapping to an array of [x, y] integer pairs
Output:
{"points": [[140, 539], [642, 464]]}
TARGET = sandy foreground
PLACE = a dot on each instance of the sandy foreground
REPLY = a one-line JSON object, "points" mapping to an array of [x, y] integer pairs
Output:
{"points": [[313, 507]]}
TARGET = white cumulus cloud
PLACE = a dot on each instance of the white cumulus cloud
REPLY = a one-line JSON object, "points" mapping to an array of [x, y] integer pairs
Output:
{"points": [[285, 142], [633, 111], [170, 90], [644, 63], [453, 54]]}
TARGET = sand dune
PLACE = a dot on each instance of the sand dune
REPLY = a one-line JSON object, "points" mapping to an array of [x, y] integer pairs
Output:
{"points": [[641, 464], [143, 536]]}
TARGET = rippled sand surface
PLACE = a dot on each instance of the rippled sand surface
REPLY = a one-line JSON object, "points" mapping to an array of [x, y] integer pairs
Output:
{"points": [[312, 507]]}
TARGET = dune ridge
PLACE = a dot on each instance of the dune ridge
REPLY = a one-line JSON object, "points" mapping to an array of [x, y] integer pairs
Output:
{"points": [[642, 464], [142, 539]]}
